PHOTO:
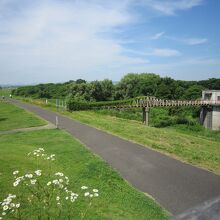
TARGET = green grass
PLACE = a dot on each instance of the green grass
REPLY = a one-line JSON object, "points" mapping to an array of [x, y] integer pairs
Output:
{"points": [[202, 151], [190, 143], [5, 92], [117, 200], [12, 117]]}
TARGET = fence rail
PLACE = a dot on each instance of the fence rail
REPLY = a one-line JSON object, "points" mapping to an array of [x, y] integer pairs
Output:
{"points": [[154, 102]]}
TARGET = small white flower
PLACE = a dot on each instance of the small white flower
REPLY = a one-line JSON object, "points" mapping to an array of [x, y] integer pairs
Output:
{"points": [[29, 175], [58, 198], [38, 172], [15, 172], [49, 183], [5, 207], [16, 183], [59, 174], [84, 187], [33, 181], [67, 198], [95, 190], [96, 194], [86, 194], [60, 180], [0, 218], [17, 205], [3, 213]]}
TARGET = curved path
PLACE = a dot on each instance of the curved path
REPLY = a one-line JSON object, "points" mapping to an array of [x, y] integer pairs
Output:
{"points": [[175, 185]]}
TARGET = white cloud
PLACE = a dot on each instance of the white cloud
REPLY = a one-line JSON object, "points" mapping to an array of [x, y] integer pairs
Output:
{"points": [[165, 52], [157, 36], [195, 41], [189, 41], [169, 7], [63, 39]]}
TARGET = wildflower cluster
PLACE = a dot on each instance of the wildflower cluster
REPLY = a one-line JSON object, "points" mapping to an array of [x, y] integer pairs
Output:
{"points": [[8, 205], [49, 188], [29, 178], [40, 152], [92, 193]]}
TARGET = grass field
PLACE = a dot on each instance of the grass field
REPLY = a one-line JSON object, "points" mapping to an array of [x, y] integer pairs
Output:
{"points": [[5, 92], [192, 144], [186, 145], [117, 199], [12, 117]]}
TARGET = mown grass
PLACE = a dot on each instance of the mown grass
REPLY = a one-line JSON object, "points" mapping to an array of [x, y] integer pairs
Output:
{"points": [[5, 92], [12, 117], [190, 143], [196, 149], [117, 200]]}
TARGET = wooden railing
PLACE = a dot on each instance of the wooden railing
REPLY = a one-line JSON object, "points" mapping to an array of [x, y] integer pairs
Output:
{"points": [[150, 101]]}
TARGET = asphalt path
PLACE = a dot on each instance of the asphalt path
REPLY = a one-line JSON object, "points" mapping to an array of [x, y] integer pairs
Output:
{"points": [[175, 185]]}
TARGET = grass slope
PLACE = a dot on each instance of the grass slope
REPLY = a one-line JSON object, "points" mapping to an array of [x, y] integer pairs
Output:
{"points": [[117, 200], [193, 144], [203, 151], [12, 117]]}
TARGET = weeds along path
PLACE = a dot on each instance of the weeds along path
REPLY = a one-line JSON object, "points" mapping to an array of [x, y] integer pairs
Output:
{"points": [[175, 185]]}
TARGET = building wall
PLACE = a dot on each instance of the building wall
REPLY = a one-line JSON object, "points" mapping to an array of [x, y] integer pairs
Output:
{"points": [[216, 118]]}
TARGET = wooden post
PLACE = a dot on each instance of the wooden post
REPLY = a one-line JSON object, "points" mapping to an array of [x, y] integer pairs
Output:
{"points": [[146, 116]]}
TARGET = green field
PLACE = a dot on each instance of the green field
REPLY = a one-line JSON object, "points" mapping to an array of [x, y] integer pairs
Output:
{"points": [[5, 92], [12, 117], [190, 143], [117, 199], [194, 147]]}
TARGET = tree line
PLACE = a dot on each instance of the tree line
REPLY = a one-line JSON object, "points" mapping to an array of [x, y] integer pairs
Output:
{"points": [[130, 86]]}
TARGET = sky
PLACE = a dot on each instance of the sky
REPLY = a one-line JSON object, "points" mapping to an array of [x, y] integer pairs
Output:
{"points": [[61, 40]]}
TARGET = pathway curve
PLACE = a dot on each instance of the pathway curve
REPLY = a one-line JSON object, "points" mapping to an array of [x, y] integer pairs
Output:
{"points": [[175, 185]]}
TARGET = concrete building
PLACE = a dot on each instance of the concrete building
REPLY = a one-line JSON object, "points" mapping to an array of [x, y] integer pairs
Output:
{"points": [[210, 115]]}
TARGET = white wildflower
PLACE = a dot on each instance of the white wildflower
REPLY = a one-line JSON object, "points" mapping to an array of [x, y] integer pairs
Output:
{"points": [[17, 205], [16, 183], [91, 195], [3, 213], [58, 198], [86, 194], [33, 181], [59, 174], [49, 183], [96, 194], [5, 207], [15, 172], [67, 198], [38, 172], [95, 190], [29, 175], [84, 187]]}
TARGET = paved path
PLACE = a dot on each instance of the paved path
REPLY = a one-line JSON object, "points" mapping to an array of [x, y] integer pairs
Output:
{"points": [[48, 126], [175, 185]]}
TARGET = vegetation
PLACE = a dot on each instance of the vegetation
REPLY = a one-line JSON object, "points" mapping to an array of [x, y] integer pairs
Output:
{"points": [[12, 117], [190, 143], [130, 86], [116, 200]]}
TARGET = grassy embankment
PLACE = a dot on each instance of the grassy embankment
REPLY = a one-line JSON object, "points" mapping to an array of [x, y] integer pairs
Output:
{"points": [[189, 143], [117, 199], [12, 117]]}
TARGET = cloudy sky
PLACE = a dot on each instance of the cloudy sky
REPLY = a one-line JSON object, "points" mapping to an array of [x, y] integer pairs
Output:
{"points": [[59, 40]]}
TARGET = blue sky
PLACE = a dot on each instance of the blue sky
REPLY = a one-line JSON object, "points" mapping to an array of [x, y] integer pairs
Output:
{"points": [[59, 40]]}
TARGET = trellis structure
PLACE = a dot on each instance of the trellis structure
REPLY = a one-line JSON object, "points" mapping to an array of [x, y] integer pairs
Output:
{"points": [[149, 101]]}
